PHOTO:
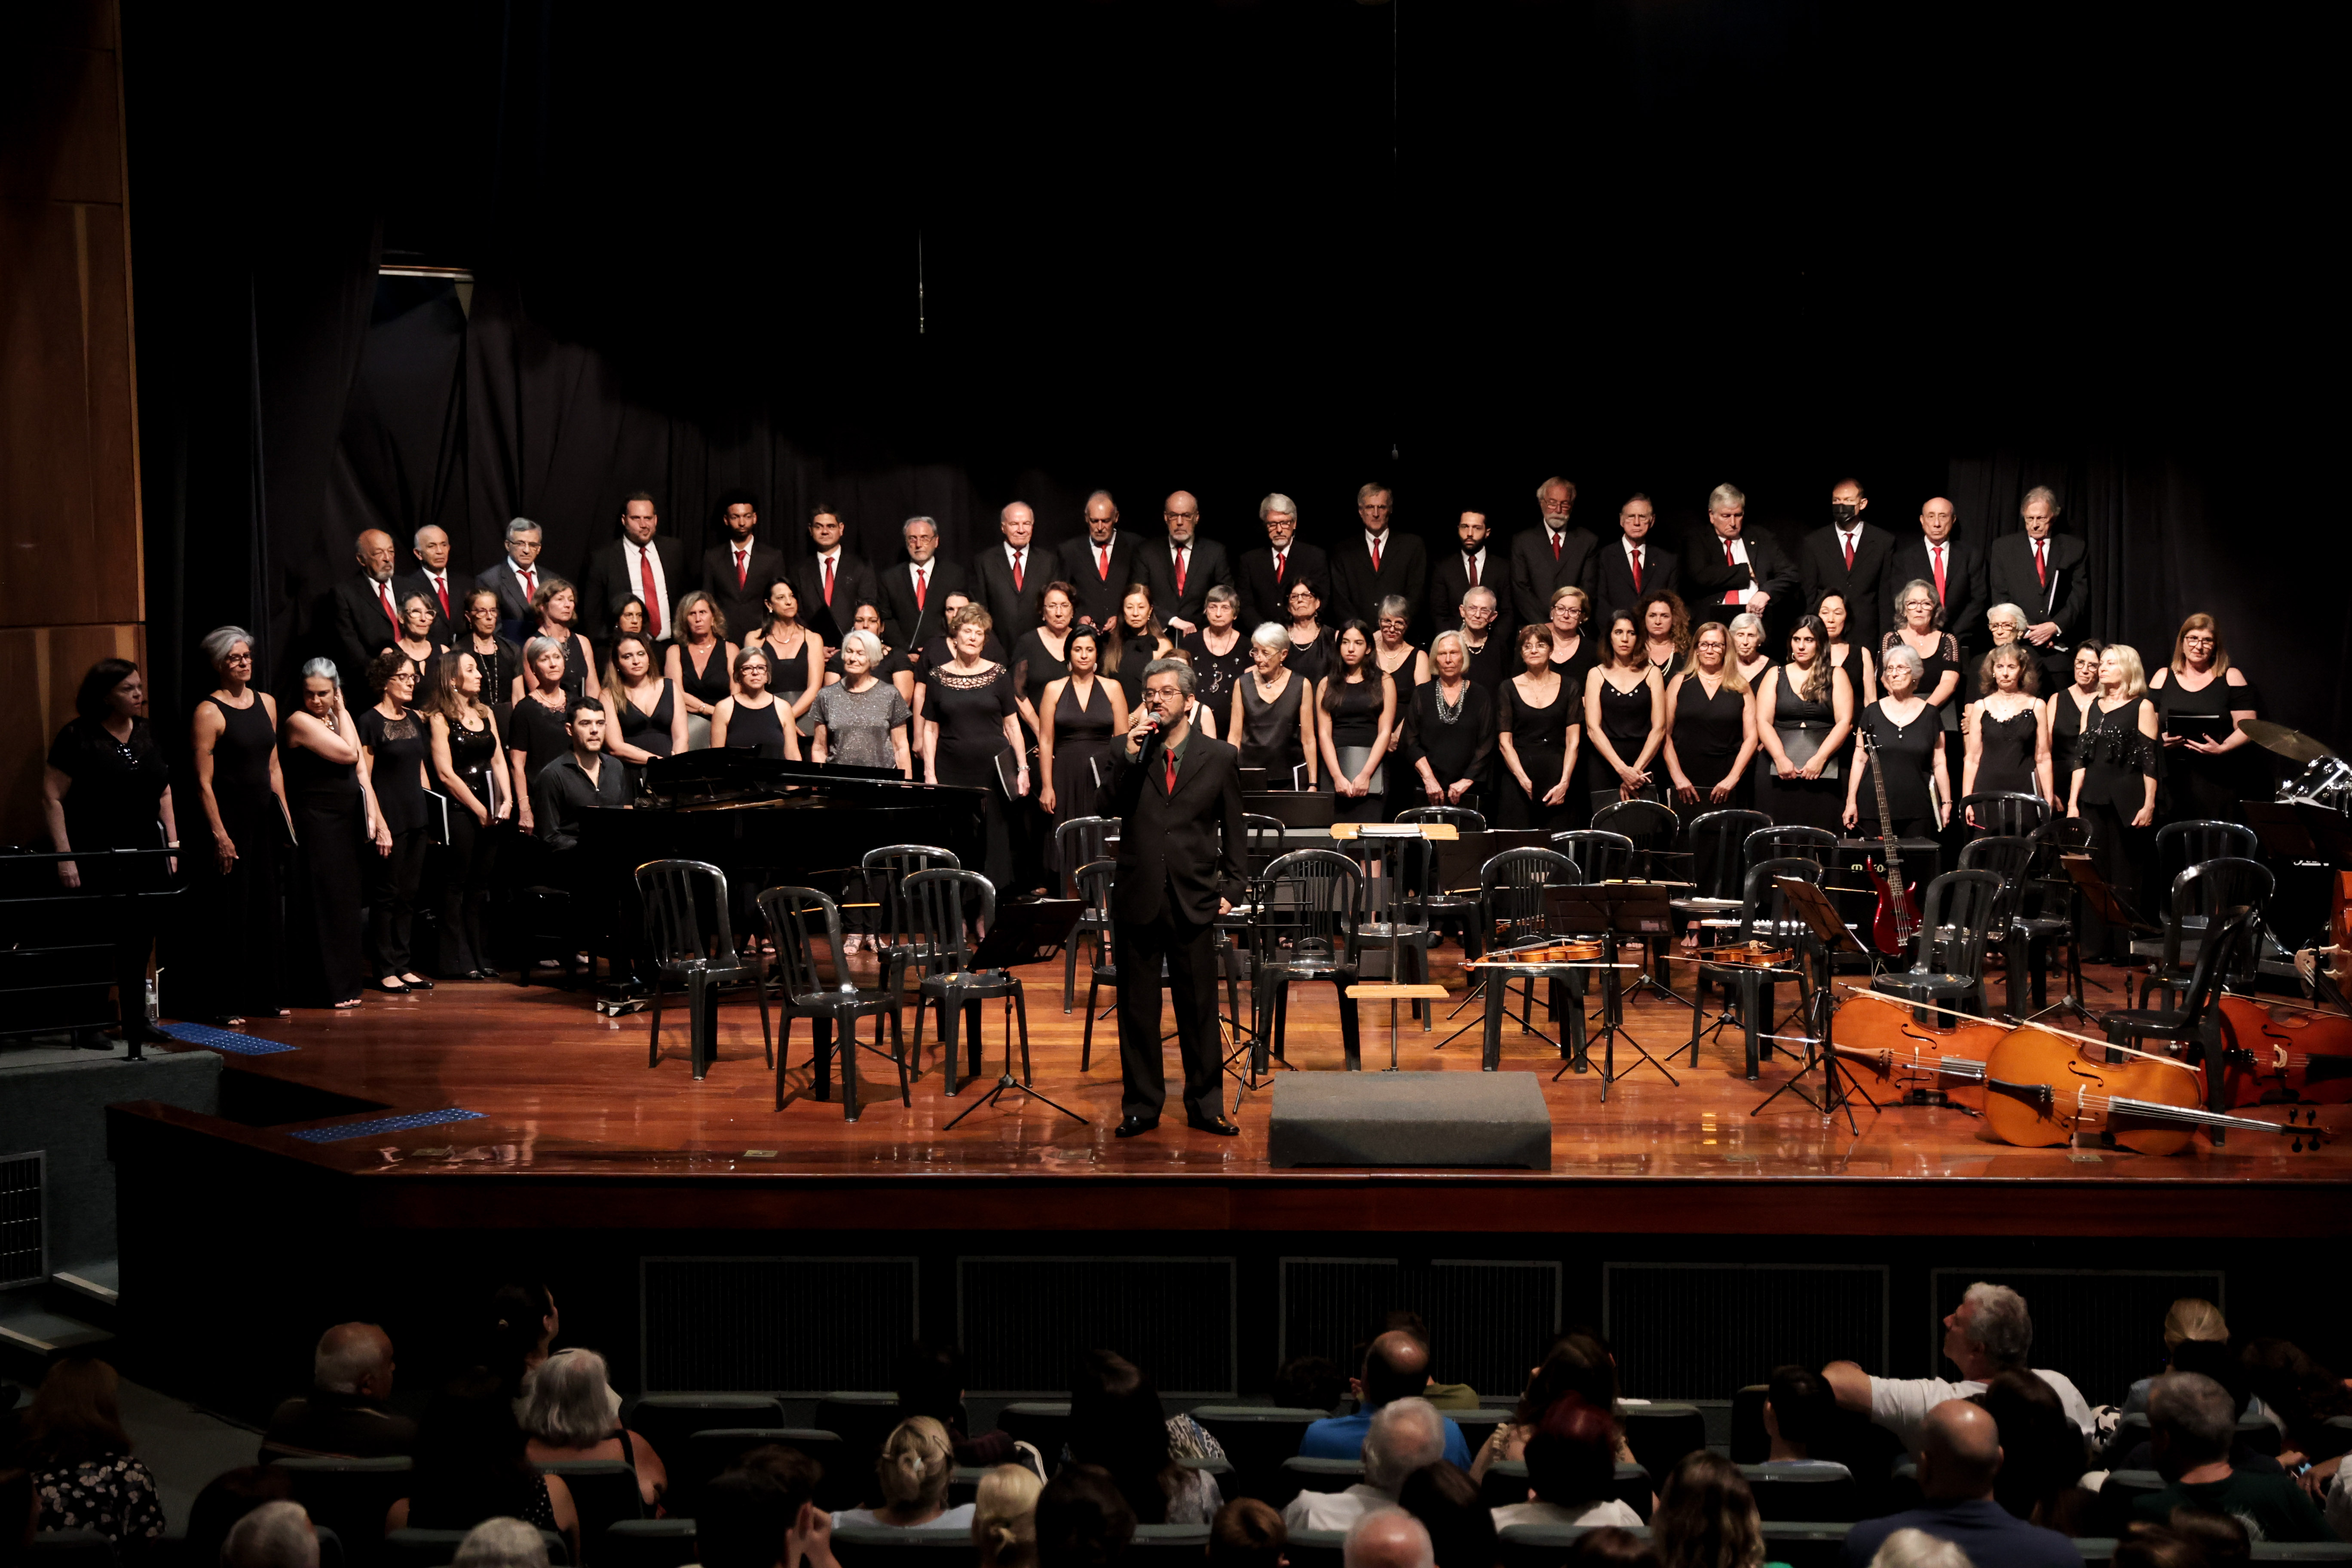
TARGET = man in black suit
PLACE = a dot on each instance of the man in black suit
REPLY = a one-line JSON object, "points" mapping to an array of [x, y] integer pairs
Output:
{"points": [[832, 582], [431, 547], [637, 563], [2047, 576], [914, 593], [1013, 575], [1557, 555], [1635, 567], [1102, 561], [1180, 570], [1852, 558], [1182, 861], [1459, 571], [1376, 562], [1956, 568], [367, 609], [515, 580], [1266, 575], [1730, 571], [739, 573]]}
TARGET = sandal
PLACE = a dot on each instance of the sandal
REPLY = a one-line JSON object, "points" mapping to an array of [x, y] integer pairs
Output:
{"points": [[347, 1006]]}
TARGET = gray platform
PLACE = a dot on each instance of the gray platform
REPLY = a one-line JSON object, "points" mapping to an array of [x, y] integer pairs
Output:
{"points": [[1410, 1120]]}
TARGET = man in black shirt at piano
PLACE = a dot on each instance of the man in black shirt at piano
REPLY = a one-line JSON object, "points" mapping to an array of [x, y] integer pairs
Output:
{"points": [[581, 778]]}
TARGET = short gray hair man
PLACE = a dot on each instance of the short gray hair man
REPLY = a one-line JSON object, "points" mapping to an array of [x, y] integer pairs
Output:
{"points": [[1725, 498], [1997, 1323], [1404, 1435], [1185, 682], [502, 1542], [2192, 1419], [275, 1535], [1276, 502], [1390, 1538], [518, 526]]}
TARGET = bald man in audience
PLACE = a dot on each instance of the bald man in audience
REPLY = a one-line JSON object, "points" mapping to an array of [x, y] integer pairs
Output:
{"points": [[367, 605], [344, 1415], [1390, 1539], [1404, 1436], [1959, 1455], [1396, 1366]]}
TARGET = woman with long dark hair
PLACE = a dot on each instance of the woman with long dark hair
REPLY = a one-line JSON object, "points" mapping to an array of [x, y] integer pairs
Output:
{"points": [[644, 718], [1311, 654], [471, 1463], [795, 655], [1803, 715], [237, 924], [1117, 1422], [1665, 632], [1356, 712], [1138, 641], [1081, 718], [1624, 717], [1539, 730], [468, 762], [1861, 666], [334, 828], [398, 744]]}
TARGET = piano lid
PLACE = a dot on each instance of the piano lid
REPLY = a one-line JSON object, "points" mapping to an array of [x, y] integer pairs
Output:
{"points": [[712, 775]]}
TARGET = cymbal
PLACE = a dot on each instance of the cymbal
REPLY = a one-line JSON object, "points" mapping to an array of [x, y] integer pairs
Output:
{"points": [[2291, 745]]}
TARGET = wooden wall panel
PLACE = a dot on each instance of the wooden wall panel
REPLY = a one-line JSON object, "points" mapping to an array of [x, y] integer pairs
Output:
{"points": [[48, 661]]}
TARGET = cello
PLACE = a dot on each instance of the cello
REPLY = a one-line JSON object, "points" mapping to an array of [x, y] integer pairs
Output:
{"points": [[2040, 1091], [1925, 1063], [2274, 1051]]}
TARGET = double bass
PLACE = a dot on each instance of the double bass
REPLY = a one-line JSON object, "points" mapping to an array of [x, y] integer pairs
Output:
{"points": [[2042, 1090]]}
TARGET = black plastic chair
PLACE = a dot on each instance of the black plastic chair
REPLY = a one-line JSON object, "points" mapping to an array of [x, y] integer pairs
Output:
{"points": [[1043, 1424], [936, 902], [1440, 908], [1096, 879], [669, 1421], [1719, 869], [1077, 842], [2007, 814], [2009, 859], [699, 957], [2194, 840], [438, 1547], [2189, 1025], [1763, 917], [1823, 1496], [1605, 856], [796, 918], [2052, 908], [1511, 897], [351, 1497], [1660, 1437], [1653, 826], [716, 1450], [645, 1543], [1790, 841], [885, 871], [1257, 1438], [1311, 902], [1461, 816], [2199, 893], [604, 1491], [1959, 915]]}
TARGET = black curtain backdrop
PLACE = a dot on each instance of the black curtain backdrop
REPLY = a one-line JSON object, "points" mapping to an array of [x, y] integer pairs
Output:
{"points": [[1231, 248]]}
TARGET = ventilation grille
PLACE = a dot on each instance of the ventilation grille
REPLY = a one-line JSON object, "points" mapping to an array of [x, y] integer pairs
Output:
{"points": [[1490, 1320], [24, 1233], [2102, 1329], [1705, 1330], [1024, 1321], [775, 1325]]}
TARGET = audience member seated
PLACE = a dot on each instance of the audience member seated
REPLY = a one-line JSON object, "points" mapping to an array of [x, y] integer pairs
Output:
{"points": [[1082, 1521], [2143, 1545], [1309, 1383], [2216, 1360], [1959, 1457], [931, 1382], [79, 1455], [570, 1413], [1614, 1546], [502, 1543], [1116, 1423], [523, 1323], [1577, 1364], [2042, 1455], [1798, 1412], [1406, 1435], [917, 1460], [1572, 1471], [227, 1497], [1396, 1366], [1004, 1517], [1248, 1533], [2298, 1394], [1390, 1538], [470, 1466], [2223, 1539], [275, 1535], [1917, 1549], [1707, 1517], [1989, 1331], [2189, 1320], [764, 1515], [1444, 1395], [1461, 1527], [344, 1413], [2194, 1422]]}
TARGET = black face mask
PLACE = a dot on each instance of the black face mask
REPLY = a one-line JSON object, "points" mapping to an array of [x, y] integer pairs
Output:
{"points": [[1843, 513]]}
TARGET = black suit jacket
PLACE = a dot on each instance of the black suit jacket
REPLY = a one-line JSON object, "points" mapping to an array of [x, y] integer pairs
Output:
{"points": [[1017, 612], [1535, 577], [1868, 588], [1613, 580], [1208, 567], [906, 627], [2009, 579], [743, 606], [1262, 598], [1357, 590], [1964, 590], [1098, 599], [854, 584], [517, 619], [363, 630], [612, 581], [1178, 854], [1706, 577], [1449, 580], [416, 581]]}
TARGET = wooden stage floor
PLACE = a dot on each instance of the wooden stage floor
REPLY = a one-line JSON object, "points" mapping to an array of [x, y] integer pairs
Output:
{"points": [[575, 1129]]}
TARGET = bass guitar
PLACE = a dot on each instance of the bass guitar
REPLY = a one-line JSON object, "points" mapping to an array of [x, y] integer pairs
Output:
{"points": [[1896, 920]]}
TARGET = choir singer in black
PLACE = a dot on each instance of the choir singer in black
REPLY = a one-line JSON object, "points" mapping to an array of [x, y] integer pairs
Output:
{"points": [[1181, 865]]}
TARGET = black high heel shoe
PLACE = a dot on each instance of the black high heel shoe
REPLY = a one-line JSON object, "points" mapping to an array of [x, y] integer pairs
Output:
{"points": [[391, 987], [417, 983]]}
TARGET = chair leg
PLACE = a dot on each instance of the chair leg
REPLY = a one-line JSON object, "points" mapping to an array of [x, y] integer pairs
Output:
{"points": [[1020, 1014], [1070, 970], [1755, 1008], [897, 1051], [950, 1022], [783, 1051], [972, 1042], [653, 1049], [1087, 1042], [845, 1032], [759, 989]]}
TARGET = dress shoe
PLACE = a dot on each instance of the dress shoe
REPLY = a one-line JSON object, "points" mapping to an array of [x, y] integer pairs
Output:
{"points": [[1136, 1126], [1219, 1125]]}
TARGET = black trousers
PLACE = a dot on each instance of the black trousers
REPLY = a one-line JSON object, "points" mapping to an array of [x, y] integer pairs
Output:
{"points": [[392, 881], [467, 869], [2120, 852], [1191, 954]]}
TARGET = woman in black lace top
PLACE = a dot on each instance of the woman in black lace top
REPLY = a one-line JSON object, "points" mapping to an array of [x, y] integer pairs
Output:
{"points": [[2114, 788]]}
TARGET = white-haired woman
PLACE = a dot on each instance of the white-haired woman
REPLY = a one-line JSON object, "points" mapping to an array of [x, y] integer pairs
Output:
{"points": [[1903, 735], [570, 1413], [2114, 787], [861, 720], [1273, 719], [1450, 730], [240, 931], [536, 729], [917, 1460], [334, 816], [2007, 622]]}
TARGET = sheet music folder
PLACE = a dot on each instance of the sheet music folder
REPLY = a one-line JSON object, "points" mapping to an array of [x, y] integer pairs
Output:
{"points": [[1589, 909]]}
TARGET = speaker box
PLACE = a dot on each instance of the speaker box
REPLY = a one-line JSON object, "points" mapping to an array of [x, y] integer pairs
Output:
{"points": [[1398, 1120]]}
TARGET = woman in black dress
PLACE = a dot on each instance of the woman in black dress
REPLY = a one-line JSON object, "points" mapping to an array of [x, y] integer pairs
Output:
{"points": [[498, 660], [1710, 724], [1860, 664], [643, 717], [2200, 700], [2007, 730], [1139, 640], [970, 720], [1748, 655], [537, 729], [628, 620], [1624, 718], [941, 649], [1356, 710], [697, 663], [1905, 735], [106, 785], [236, 921], [1803, 714], [334, 834], [795, 656], [755, 716], [1572, 651], [1450, 730], [417, 614], [1399, 659], [2114, 788], [1312, 655], [1082, 715], [1539, 726], [1041, 655], [1665, 632], [558, 607], [1921, 631], [1272, 716], [1220, 657], [2069, 712], [466, 763], [398, 744]]}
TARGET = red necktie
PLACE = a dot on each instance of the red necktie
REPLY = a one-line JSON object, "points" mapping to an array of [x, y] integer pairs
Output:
{"points": [[742, 568], [1637, 568], [652, 594], [1017, 554], [441, 587], [828, 582], [1849, 549], [1103, 552], [919, 575], [1280, 557], [1376, 557], [530, 585], [2040, 562], [1171, 773], [1179, 569], [1470, 566], [1938, 554], [383, 592], [1554, 543], [1731, 596]]}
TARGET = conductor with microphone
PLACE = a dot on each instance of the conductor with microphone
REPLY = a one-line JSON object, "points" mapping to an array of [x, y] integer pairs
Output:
{"points": [[1181, 865]]}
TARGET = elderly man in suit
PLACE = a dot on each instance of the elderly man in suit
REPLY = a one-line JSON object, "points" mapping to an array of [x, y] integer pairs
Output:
{"points": [[1013, 575], [1635, 566], [2047, 575], [1853, 560], [1556, 554], [367, 607], [1181, 571], [1459, 571], [914, 593], [833, 582], [430, 545], [1266, 574], [1956, 568], [1729, 570], [515, 579], [1378, 561], [738, 574], [639, 563], [1102, 561]]}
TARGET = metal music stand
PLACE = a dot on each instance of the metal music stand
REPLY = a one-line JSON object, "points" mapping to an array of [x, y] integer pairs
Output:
{"points": [[1607, 910], [1824, 937], [1028, 933], [1242, 1038], [2091, 890]]}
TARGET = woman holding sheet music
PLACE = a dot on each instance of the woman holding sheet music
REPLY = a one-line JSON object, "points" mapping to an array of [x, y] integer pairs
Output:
{"points": [[2199, 698], [398, 744], [1079, 717]]}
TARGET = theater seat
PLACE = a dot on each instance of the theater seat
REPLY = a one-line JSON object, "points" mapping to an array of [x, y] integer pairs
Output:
{"points": [[1304, 1474], [351, 1497], [1043, 1424], [1660, 1434], [69, 1549], [1505, 1483], [1316, 1548], [1803, 1496], [604, 1491], [711, 1454], [645, 1543], [438, 1547], [667, 1420], [879, 1546], [1257, 1438], [1169, 1543]]}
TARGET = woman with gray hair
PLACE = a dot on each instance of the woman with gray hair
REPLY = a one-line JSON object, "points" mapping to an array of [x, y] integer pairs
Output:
{"points": [[238, 928], [502, 1542], [860, 720], [1272, 722], [334, 816], [570, 1413], [1903, 735]]}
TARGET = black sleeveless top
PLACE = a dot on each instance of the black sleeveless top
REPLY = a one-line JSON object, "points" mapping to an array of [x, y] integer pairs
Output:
{"points": [[711, 685], [2005, 750], [647, 731], [762, 727], [473, 754], [1269, 737], [1625, 721]]}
